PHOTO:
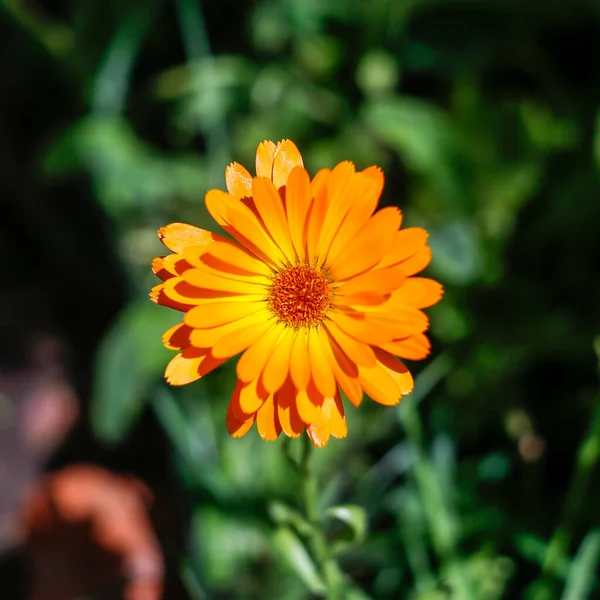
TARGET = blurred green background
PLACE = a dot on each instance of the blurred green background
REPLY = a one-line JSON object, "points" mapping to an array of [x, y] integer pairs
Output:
{"points": [[116, 117]]}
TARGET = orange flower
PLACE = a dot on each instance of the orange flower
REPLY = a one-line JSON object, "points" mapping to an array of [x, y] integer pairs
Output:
{"points": [[317, 294]]}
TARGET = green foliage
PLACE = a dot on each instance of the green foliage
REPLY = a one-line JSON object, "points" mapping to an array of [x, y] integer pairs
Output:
{"points": [[484, 116]]}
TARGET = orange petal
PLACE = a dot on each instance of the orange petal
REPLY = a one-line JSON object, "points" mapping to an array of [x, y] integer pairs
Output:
{"points": [[319, 430], [176, 264], [176, 236], [237, 341], [358, 215], [346, 374], [254, 359], [269, 204], [341, 197], [308, 403], [399, 321], [159, 270], [333, 410], [236, 257], [290, 420], [287, 156], [358, 352], [204, 279], [237, 428], [239, 221], [417, 262], [418, 292], [406, 243], [298, 199], [278, 365], [252, 396], [346, 190], [415, 347], [158, 296], [379, 385], [219, 313], [396, 370], [189, 365], [319, 353], [314, 222], [238, 181], [264, 159], [299, 363], [370, 245], [182, 292], [267, 421], [177, 337], [208, 338], [379, 280], [368, 331]]}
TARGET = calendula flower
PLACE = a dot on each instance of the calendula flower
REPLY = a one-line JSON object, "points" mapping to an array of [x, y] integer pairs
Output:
{"points": [[317, 293]]}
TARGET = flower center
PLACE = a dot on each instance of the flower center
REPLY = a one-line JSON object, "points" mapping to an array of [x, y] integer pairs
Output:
{"points": [[300, 296]]}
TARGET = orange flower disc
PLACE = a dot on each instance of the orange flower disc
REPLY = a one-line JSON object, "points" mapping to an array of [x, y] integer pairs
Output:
{"points": [[300, 296]]}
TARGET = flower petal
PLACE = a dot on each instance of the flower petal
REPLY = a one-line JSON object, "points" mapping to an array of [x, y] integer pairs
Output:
{"points": [[176, 236], [239, 340], [236, 427], [417, 262], [406, 243], [252, 396], [236, 257], [204, 279], [415, 347], [299, 362], [269, 204], [418, 292], [298, 200], [358, 352], [254, 359], [396, 370], [211, 336], [219, 313], [238, 181], [177, 337], [287, 156], [333, 409], [370, 245], [287, 411], [267, 421], [240, 222], [379, 385], [359, 213], [190, 365], [264, 158], [319, 353], [309, 402], [278, 366]]}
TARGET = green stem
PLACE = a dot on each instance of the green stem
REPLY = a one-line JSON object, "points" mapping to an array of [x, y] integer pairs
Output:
{"points": [[588, 456], [330, 571]]}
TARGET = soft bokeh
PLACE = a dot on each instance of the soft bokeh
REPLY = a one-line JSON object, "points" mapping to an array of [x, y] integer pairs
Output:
{"points": [[117, 117]]}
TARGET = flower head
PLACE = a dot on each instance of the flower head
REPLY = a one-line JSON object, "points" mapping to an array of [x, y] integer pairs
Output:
{"points": [[317, 293]]}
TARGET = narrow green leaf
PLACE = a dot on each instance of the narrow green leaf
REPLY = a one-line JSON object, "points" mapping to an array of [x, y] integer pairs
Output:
{"points": [[293, 552], [584, 568]]}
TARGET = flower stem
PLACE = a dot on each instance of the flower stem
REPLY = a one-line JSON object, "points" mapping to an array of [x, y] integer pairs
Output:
{"points": [[328, 567]]}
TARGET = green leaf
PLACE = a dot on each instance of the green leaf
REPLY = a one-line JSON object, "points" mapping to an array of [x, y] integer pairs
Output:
{"points": [[355, 518], [293, 552], [283, 514], [584, 568], [130, 359]]}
